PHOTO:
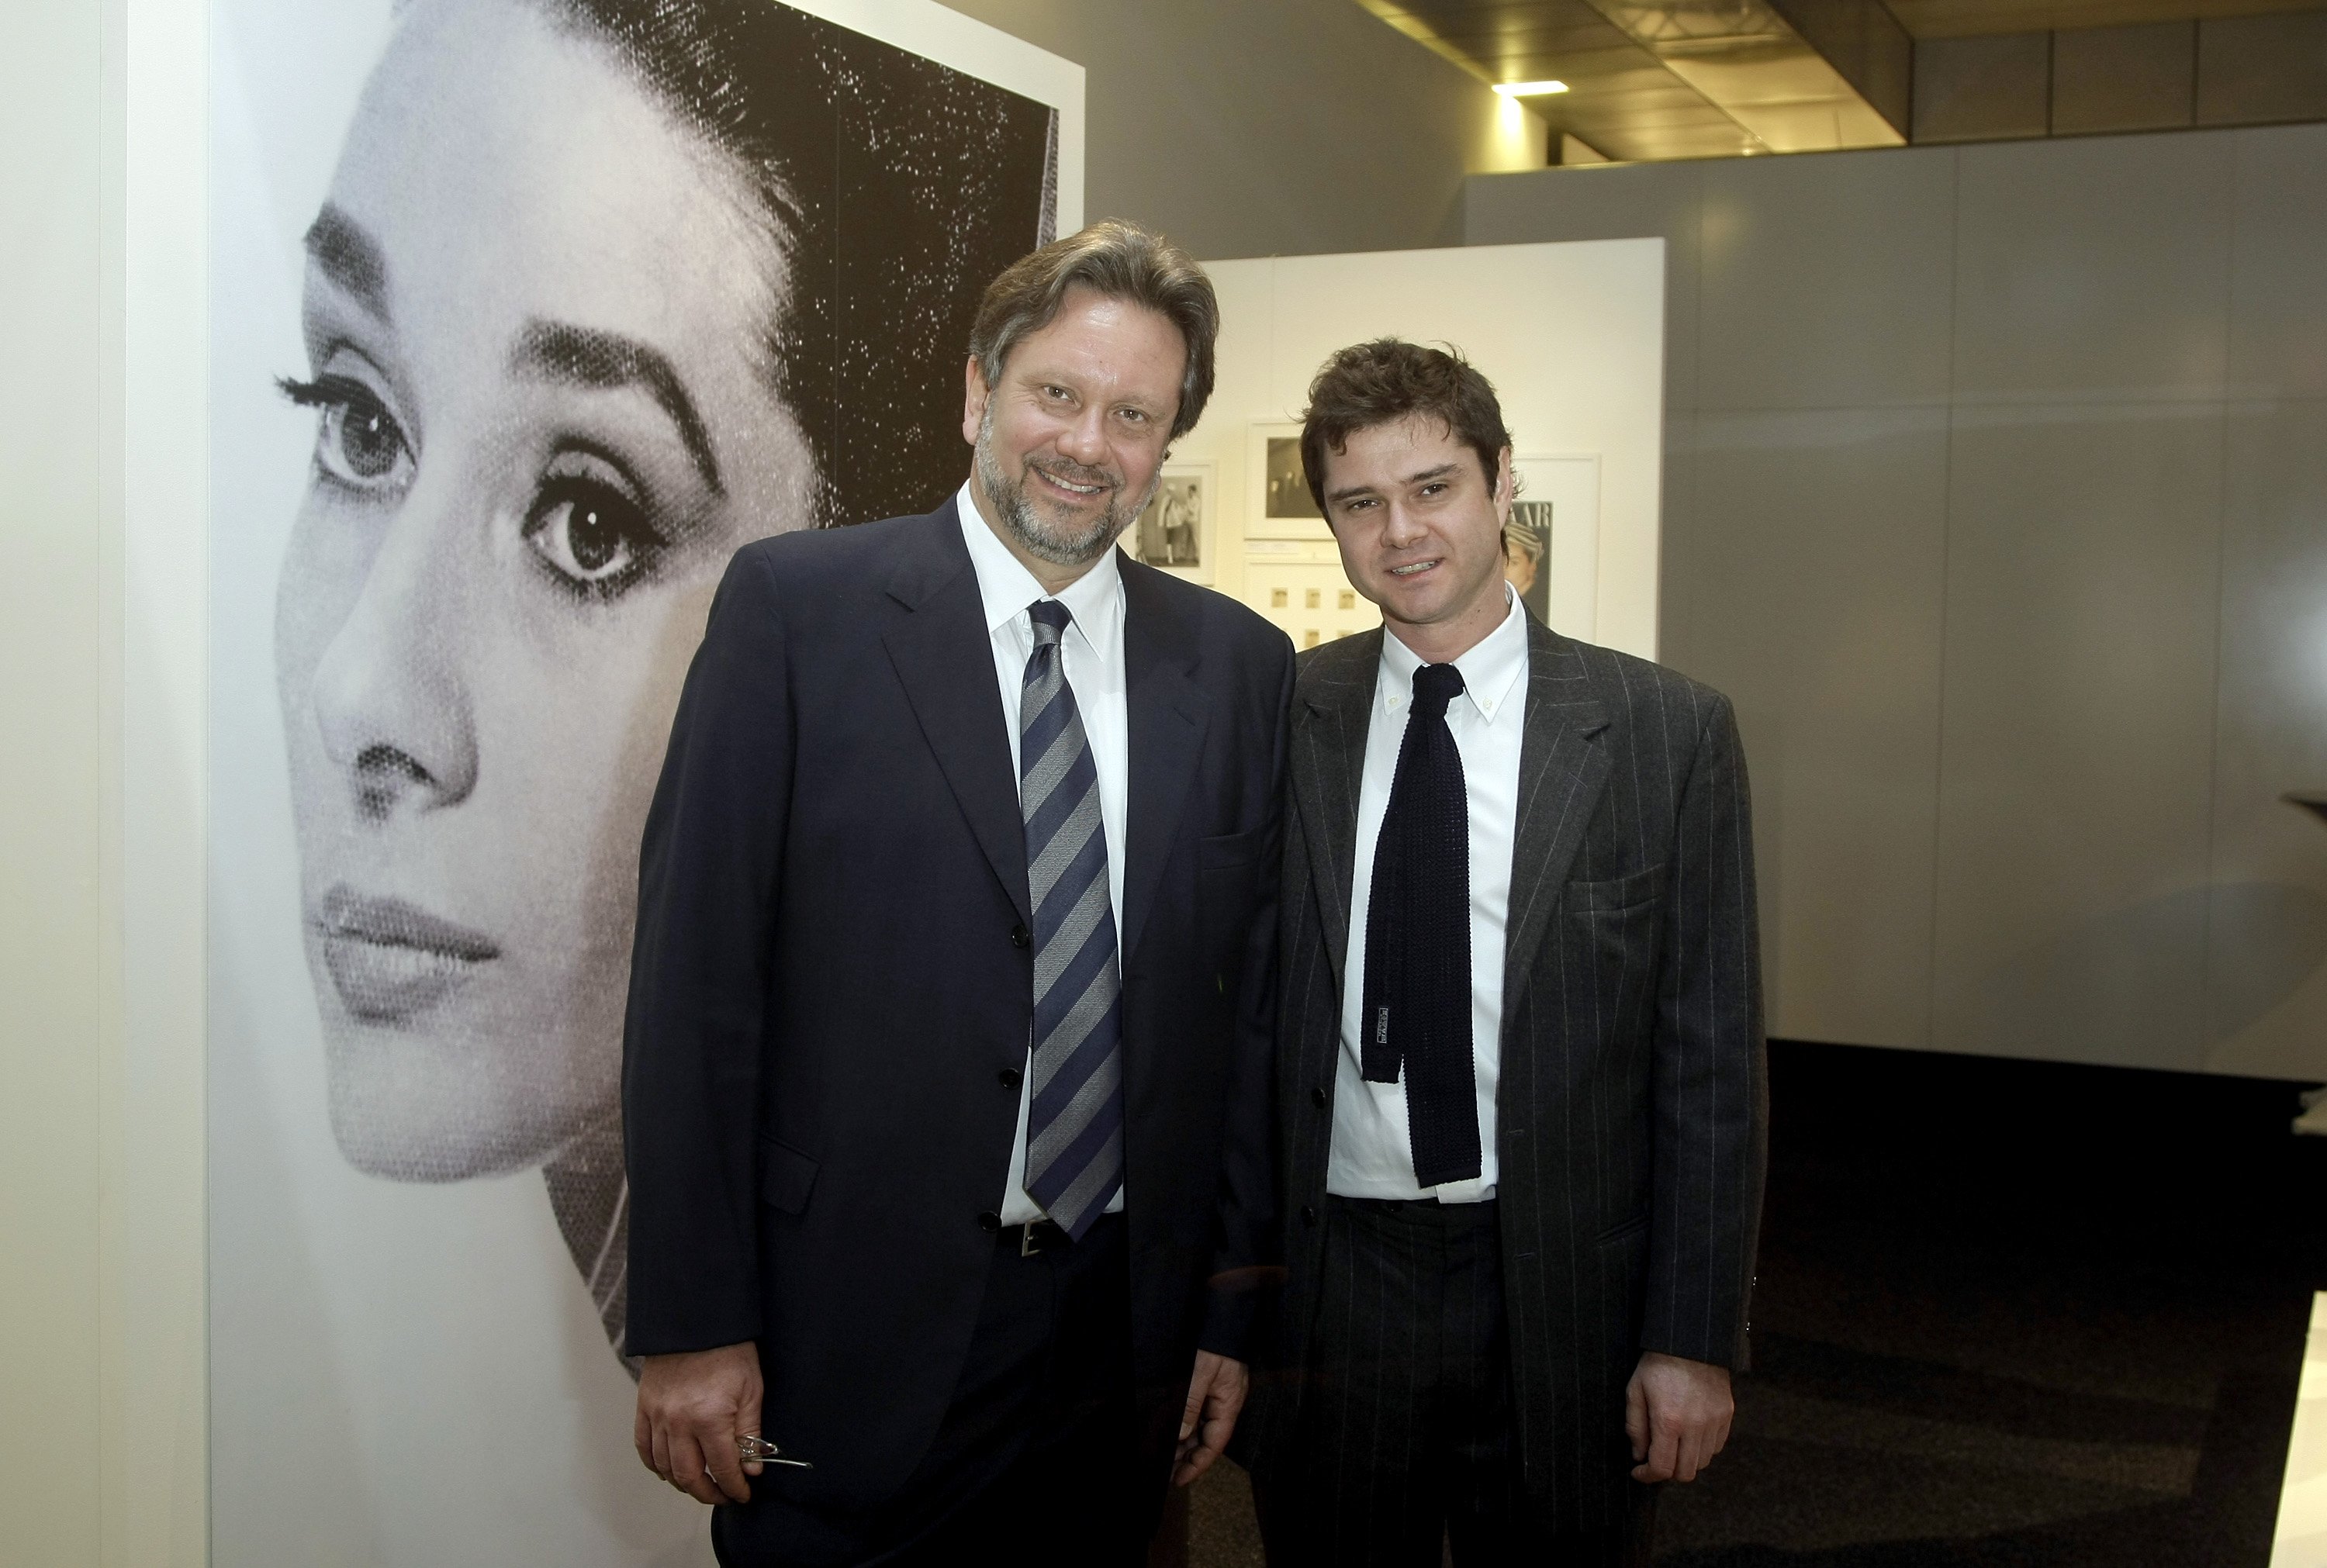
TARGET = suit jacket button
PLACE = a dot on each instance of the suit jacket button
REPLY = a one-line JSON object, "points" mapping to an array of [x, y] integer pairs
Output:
{"points": [[1308, 1215], [989, 1221], [1010, 1076], [1018, 938], [1317, 1098]]}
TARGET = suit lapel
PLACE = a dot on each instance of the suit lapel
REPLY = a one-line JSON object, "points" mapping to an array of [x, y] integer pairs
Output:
{"points": [[944, 658], [1562, 768], [1167, 715], [1329, 763]]}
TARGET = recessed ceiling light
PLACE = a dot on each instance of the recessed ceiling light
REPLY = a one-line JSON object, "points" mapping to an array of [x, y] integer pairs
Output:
{"points": [[1530, 89]]}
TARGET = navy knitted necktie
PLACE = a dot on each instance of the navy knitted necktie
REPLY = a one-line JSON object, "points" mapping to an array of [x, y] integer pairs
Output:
{"points": [[1418, 995]]}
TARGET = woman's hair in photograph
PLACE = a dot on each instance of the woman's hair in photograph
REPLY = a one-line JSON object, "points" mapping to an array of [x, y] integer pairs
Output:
{"points": [[1386, 380], [894, 188]]}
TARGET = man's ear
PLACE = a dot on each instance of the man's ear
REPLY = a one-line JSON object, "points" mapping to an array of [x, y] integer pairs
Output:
{"points": [[974, 392], [1506, 486]]}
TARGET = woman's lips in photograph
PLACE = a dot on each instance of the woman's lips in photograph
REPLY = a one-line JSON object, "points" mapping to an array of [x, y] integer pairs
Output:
{"points": [[390, 960]]}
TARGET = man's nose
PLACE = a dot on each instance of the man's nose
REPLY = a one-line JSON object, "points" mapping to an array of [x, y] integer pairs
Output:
{"points": [[1401, 528], [1084, 438]]}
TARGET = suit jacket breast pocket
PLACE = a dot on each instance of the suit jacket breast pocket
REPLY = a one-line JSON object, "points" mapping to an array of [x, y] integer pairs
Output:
{"points": [[1617, 921], [1227, 851], [787, 1176], [1615, 895]]}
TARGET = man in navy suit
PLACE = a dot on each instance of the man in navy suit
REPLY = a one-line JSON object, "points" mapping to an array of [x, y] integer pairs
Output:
{"points": [[946, 1069]]}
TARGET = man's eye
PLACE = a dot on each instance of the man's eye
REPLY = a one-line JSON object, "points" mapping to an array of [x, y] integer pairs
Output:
{"points": [[594, 538], [358, 445]]}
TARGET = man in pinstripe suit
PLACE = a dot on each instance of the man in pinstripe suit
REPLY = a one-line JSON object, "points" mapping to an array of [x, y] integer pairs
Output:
{"points": [[1520, 1072]]}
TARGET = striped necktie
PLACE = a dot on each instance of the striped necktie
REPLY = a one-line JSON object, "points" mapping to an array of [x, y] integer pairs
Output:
{"points": [[1074, 1131]]}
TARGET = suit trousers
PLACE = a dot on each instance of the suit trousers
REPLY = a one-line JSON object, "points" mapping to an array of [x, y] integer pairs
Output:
{"points": [[1036, 1456], [1406, 1447]]}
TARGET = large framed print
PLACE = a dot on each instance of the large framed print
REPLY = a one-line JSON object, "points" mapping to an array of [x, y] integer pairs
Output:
{"points": [[525, 315]]}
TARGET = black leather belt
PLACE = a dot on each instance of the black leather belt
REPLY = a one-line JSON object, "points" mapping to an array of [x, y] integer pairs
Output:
{"points": [[1041, 1236], [1035, 1235]]}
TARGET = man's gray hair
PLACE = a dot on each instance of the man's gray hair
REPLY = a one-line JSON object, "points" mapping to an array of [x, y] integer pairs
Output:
{"points": [[1124, 262]]}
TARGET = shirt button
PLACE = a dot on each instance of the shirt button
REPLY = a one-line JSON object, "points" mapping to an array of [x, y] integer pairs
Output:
{"points": [[1011, 1077], [989, 1221], [1018, 938], [1308, 1215], [1317, 1098]]}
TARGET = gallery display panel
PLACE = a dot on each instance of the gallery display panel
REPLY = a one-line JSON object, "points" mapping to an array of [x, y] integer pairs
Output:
{"points": [[525, 314]]}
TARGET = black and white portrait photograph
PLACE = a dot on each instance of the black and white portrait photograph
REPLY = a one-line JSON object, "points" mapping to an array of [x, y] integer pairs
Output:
{"points": [[1287, 491], [1527, 555], [1171, 529], [591, 293]]}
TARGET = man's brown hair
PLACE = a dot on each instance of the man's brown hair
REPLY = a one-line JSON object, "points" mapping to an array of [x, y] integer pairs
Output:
{"points": [[1124, 262], [1389, 379]]}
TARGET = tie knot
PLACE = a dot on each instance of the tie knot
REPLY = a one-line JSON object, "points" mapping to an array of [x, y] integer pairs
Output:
{"points": [[1435, 685], [1051, 621]]}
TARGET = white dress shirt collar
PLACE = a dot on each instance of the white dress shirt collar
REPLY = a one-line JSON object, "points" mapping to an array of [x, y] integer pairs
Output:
{"points": [[1490, 669], [1094, 598]]}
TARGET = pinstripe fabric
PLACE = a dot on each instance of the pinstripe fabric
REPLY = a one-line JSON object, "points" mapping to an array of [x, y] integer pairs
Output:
{"points": [[1074, 1125], [1632, 1106]]}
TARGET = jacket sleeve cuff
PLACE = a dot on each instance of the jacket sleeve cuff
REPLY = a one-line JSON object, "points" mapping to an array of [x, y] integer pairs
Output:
{"points": [[1231, 1317]]}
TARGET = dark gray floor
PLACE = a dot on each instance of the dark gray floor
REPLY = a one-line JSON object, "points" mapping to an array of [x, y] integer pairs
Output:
{"points": [[2009, 1313]]}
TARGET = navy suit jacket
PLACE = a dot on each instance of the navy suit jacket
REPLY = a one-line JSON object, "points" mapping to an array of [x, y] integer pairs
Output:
{"points": [[832, 974]]}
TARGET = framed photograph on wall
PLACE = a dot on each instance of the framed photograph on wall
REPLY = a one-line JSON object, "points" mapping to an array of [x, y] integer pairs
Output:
{"points": [[1526, 555], [1278, 504], [1557, 517], [1176, 530]]}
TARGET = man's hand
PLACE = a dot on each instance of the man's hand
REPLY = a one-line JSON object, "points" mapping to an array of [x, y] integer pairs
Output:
{"points": [[1215, 1396], [692, 1407], [1677, 1412]]}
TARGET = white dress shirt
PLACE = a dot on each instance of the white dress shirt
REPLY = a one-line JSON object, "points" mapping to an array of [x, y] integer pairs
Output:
{"points": [[1092, 650], [1372, 1156]]}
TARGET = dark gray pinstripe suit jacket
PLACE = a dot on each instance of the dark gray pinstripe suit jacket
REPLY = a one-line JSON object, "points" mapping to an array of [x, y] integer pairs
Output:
{"points": [[1632, 1109]]}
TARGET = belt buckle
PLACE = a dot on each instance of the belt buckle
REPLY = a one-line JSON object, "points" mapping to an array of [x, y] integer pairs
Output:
{"points": [[1027, 1246]]}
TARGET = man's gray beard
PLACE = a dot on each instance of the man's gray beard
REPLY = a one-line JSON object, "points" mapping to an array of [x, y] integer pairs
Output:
{"points": [[1019, 517]]}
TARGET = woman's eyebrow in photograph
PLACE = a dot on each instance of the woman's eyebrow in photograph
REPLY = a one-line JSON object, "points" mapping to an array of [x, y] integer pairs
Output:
{"points": [[345, 251], [590, 357]]}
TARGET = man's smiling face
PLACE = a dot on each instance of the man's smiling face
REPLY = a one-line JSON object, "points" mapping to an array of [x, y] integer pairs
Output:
{"points": [[1420, 523], [1069, 442]]}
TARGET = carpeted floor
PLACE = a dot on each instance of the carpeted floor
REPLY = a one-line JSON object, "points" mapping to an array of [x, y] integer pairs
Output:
{"points": [[2010, 1314]]}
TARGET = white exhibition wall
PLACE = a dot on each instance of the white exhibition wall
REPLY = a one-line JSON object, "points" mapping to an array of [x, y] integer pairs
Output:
{"points": [[1996, 501], [1571, 335], [413, 1366]]}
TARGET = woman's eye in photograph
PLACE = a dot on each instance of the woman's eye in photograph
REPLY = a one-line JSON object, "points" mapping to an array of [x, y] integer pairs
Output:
{"points": [[595, 539], [358, 445]]}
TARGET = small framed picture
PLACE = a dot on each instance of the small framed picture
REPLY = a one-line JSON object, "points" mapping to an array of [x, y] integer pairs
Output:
{"points": [[1175, 530], [1527, 555], [1279, 505], [1552, 542]]}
